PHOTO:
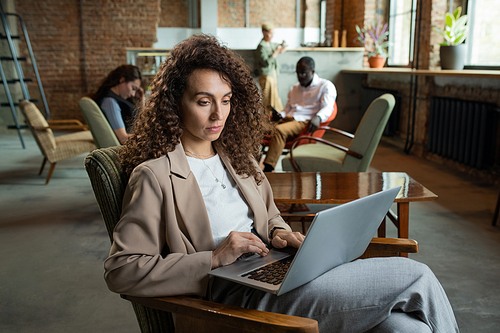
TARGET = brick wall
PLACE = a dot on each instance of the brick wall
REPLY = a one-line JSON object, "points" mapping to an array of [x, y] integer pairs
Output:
{"points": [[231, 13], [312, 13], [260, 12], [332, 17], [346, 15], [55, 34], [174, 14]]}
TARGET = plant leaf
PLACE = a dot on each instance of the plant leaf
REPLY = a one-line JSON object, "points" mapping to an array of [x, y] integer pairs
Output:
{"points": [[441, 32], [457, 12], [449, 20], [460, 39], [380, 40], [461, 22], [372, 35], [384, 30], [448, 38]]}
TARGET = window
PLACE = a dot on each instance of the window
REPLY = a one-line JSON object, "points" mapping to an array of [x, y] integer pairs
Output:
{"points": [[401, 32], [482, 45]]}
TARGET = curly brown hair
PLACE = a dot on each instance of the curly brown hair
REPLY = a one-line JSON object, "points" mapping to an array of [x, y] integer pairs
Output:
{"points": [[158, 127]]}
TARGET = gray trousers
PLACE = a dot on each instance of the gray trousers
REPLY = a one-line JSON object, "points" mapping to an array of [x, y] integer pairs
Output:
{"points": [[370, 295]]}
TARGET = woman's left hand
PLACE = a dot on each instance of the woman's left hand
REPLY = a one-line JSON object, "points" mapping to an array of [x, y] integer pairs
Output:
{"points": [[283, 238], [139, 94]]}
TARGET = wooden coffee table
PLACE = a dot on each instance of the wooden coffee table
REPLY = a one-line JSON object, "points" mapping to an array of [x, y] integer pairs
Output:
{"points": [[342, 187]]}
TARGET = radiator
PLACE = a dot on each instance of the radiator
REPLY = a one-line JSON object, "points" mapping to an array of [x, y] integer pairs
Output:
{"points": [[464, 131], [369, 94]]}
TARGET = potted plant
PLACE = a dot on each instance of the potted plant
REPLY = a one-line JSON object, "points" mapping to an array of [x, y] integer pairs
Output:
{"points": [[377, 47], [452, 50]]}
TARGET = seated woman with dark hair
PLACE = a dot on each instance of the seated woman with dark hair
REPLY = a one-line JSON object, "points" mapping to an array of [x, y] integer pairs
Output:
{"points": [[118, 96], [196, 200]]}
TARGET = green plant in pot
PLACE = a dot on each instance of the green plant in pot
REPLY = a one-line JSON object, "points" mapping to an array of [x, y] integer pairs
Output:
{"points": [[452, 50], [377, 49]]}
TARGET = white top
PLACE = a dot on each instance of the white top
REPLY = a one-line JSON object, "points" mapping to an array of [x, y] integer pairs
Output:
{"points": [[217, 199], [316, 99]]}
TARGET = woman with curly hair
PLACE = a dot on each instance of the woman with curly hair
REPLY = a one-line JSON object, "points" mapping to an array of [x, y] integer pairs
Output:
{"points": [[118, 96], [196, 200]]}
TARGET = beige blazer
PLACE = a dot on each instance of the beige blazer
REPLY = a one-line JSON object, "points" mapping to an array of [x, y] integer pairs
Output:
{"points": [[163, 242]]}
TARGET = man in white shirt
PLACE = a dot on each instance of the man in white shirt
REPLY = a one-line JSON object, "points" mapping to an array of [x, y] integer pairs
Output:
{"points": [[310, 102]]}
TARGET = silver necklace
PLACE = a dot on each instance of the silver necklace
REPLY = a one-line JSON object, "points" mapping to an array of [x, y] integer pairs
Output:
{"points": [[217, 180]]}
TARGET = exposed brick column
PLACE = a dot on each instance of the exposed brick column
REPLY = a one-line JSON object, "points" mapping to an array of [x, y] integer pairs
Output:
{"points": [[439, 8], [338, 18]]}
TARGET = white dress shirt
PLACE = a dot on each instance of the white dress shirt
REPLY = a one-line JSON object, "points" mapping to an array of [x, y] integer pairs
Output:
{"points": [[316, 99]]}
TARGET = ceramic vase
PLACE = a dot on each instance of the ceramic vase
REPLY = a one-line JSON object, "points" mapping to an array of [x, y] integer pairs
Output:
{"points": [[452, 56]]}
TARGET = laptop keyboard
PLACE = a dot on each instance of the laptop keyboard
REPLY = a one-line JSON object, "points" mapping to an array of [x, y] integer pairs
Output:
{"points": [[272, 273]]}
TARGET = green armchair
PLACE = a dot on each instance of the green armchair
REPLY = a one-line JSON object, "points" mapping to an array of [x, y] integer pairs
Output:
{"points": [[331, 157], [103, 134]]}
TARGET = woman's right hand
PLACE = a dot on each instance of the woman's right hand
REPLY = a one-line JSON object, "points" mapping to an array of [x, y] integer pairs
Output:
{"points": [[236, 244]]}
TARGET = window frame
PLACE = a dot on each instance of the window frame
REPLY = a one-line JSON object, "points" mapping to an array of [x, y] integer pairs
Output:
{"points": [[469, 9], [392, 15]]}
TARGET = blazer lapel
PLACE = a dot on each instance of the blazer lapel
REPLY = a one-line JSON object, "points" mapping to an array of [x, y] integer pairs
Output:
{"points": [[189, 202]]}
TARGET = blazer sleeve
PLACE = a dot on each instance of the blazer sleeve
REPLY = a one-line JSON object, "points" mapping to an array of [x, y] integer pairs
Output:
{"points": [[139, 263]]}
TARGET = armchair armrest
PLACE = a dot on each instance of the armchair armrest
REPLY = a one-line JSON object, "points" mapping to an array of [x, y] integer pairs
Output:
{"points": [[63, 127], [197, 315], [65, 121], [326, 142], [64, 124], [335, 130], [394, 244], [390, 247]]}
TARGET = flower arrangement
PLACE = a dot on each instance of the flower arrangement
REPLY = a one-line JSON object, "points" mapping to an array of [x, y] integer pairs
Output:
{"points": [[378, 35], [455, 29]]}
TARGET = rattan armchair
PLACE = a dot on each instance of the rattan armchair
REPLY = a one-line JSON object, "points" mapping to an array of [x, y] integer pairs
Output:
{"points": [[56, 148]]}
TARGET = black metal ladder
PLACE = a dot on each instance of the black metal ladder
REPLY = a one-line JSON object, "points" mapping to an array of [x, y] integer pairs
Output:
{"points": [[20, 75]]}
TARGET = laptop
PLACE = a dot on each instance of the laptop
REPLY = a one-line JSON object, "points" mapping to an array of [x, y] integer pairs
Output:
{"points": [[336, 236]]}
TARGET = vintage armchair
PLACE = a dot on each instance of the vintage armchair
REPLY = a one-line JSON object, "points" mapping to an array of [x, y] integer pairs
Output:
{"points": [[103, 134], [332, 157], [55, 149], [154, 314]]}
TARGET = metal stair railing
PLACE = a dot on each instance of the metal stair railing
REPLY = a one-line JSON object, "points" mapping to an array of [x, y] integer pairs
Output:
{"points": [[11, 104], [21, 79]]}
